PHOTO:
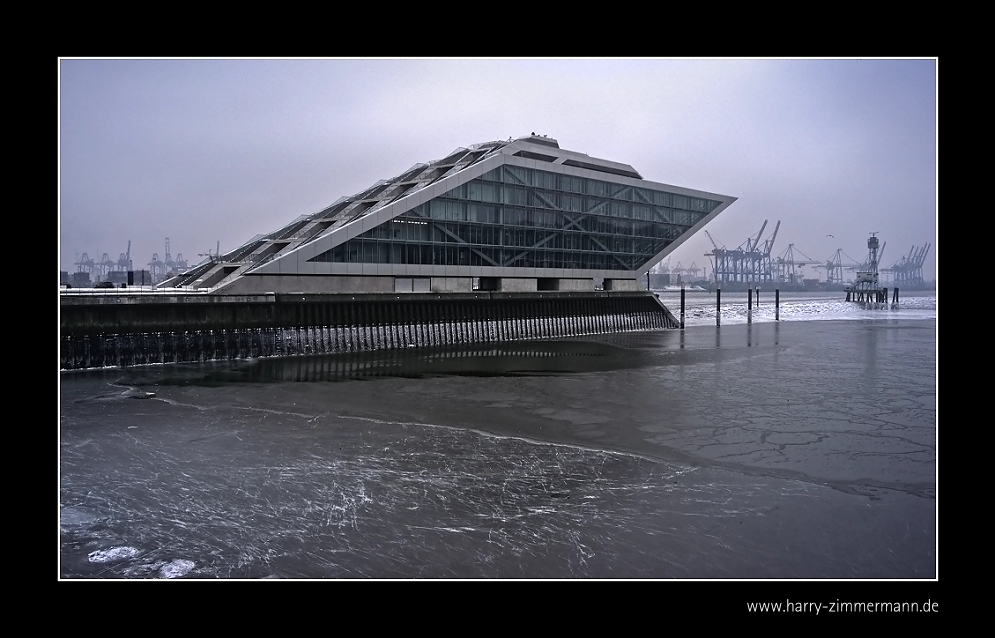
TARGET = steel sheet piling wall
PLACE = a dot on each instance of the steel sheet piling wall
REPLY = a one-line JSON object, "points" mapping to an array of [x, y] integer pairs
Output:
{"points": [[125, 332]]}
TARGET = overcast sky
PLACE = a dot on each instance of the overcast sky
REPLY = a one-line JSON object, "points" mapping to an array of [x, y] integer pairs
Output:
{"points": [[208, 151]]}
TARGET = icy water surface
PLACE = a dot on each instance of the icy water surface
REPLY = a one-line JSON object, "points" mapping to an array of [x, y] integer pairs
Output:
{"points": [[799, 449]]}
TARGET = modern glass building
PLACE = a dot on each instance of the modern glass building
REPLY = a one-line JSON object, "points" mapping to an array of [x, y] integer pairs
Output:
{"points": [[519, 215]]}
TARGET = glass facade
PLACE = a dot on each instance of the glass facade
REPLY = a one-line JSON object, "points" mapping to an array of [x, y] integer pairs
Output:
{"points": [[515, 217]]}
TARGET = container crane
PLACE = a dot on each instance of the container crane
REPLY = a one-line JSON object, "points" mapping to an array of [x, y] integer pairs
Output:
{"points": [[85, 264], [156, 268], [104, 265], [908, 270]]}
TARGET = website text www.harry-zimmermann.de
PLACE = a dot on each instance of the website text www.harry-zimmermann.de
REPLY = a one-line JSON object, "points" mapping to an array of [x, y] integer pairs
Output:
{"points": [[837, 606]]}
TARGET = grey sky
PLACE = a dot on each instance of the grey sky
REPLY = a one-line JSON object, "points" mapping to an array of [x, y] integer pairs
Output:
{"points": [[203, 151]]}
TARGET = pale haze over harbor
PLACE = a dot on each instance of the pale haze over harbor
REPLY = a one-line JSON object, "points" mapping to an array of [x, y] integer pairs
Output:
{"points": [[209, 151]]}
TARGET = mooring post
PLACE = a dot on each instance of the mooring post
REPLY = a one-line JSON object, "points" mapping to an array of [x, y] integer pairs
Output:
{"points": [[777, 304], [749, 305], [718, 306], [682, 305]]}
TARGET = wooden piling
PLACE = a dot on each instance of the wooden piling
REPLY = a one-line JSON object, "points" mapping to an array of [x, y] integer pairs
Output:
{"points": [[682, 305]]}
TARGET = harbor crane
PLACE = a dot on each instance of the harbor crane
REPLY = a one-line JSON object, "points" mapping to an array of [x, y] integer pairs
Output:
{"points": [[751, 247], [714, 245], [691, 271], [124, 259], [713, 256], [787, 263], [749, 263], [661, 268], [907, 271], [104, 265], [84, 264], [834, 268], [169, 264], [156, 268], [213, 257]]}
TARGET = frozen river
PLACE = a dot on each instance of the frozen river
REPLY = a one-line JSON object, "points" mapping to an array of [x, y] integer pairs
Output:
{"points": [[799, 449]]}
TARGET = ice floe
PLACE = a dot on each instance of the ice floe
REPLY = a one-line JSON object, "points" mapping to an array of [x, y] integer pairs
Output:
{"points": [[176, 568], [113, 554]]}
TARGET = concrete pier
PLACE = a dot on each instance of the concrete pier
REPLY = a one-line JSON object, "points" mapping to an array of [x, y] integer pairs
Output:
{"points": [[125, 330]]}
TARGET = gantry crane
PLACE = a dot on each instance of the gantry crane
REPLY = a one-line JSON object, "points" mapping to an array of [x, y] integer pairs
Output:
{"points": [[748, 263], [84, 264], [156, 268], [104, 266], [908, 270]]}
